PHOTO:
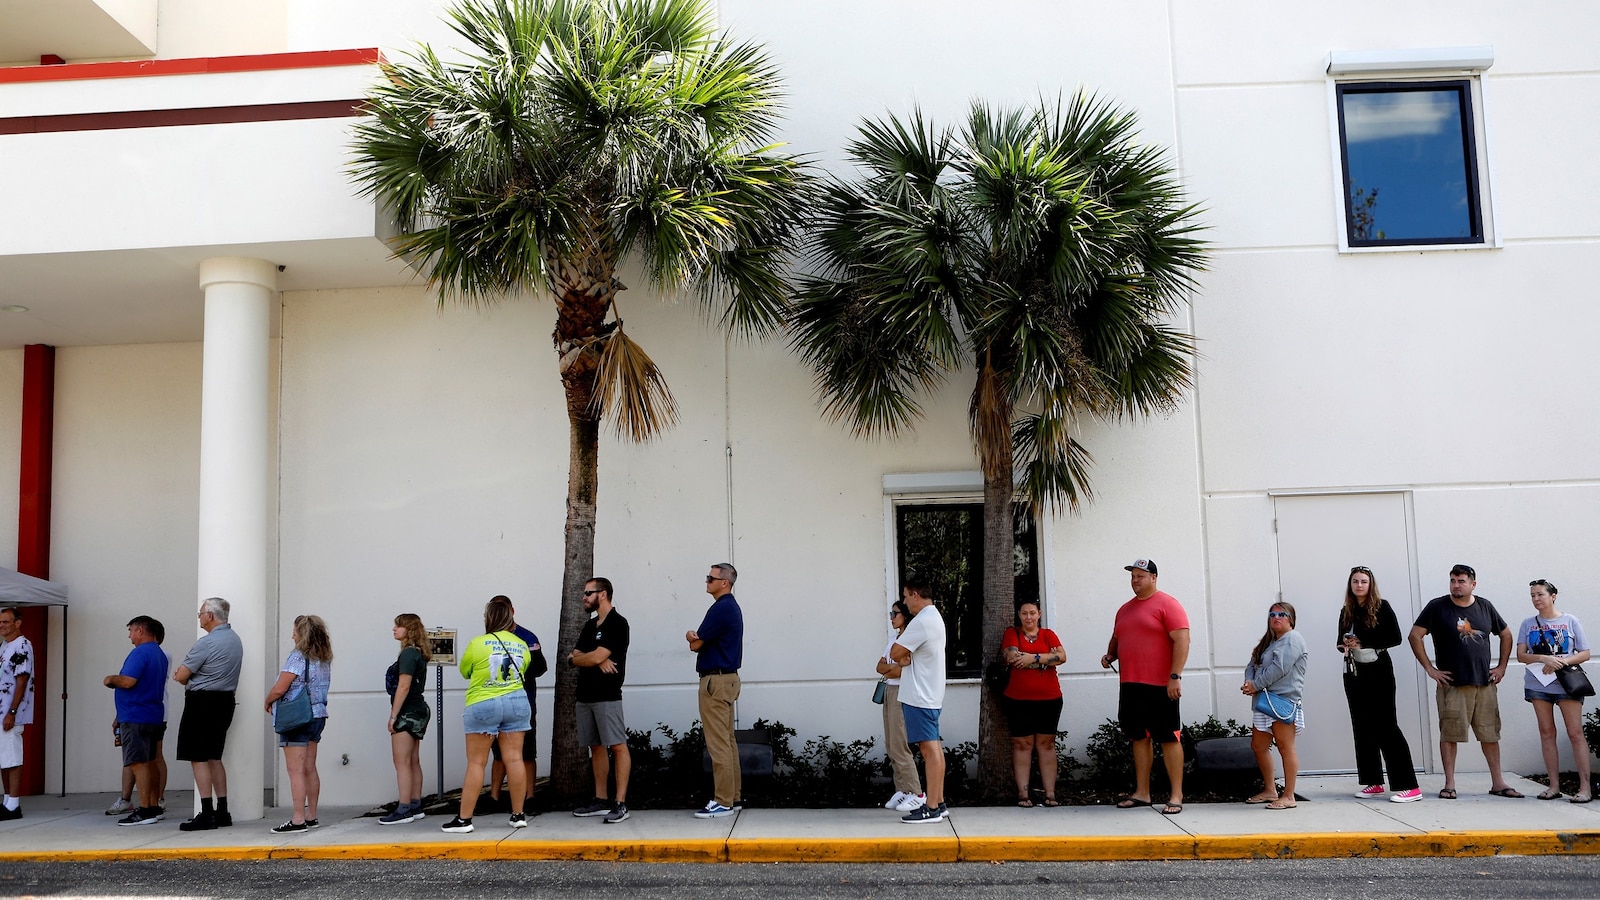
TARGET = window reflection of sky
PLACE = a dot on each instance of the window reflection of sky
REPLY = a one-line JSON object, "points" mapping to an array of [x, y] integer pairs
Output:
{"points": [[1407, 145]]}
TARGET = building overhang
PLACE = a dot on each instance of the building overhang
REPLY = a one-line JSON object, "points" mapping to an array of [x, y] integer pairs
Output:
{"points": [[119, 178]]}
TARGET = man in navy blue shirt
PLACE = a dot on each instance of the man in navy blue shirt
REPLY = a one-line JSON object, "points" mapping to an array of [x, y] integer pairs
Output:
{"points": [[719, 648]]}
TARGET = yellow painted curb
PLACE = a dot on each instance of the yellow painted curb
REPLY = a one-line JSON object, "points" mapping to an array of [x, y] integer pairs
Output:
{"points": [[763, 850], [1075, 849], [1333, 845]]}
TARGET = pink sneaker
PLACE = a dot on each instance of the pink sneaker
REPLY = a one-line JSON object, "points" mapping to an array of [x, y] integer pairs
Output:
{"points": [[1410, 796], [1370, 791]]}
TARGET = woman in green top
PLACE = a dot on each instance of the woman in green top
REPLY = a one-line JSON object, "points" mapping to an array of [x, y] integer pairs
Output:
{"points": [[408, 715], [494, 665]]}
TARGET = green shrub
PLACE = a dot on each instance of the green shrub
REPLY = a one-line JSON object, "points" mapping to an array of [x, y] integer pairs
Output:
{"points": [[1591, 731]]}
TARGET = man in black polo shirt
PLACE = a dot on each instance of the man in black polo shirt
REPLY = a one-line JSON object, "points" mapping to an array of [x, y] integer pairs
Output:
{"points": [[601, 656]]}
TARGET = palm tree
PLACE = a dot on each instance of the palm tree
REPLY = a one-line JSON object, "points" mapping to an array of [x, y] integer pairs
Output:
{"points": [[572, 136], [1043, 252]]}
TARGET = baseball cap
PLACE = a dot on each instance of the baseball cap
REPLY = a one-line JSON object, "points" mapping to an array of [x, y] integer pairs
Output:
{"points": [[1148, 565]]}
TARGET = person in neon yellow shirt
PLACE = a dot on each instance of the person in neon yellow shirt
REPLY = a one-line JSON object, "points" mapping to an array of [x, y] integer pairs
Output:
{"points": [[494, 665]]}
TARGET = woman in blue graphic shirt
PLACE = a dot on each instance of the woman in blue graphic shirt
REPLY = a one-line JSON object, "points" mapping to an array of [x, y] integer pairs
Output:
{"points": [[1548, 642]]}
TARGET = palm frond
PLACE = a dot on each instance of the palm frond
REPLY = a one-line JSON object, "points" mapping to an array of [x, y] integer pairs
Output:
{"points": [[630, 389]]}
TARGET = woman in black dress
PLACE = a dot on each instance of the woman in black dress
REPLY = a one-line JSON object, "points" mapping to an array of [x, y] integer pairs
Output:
{"points": [[1367, 629]]}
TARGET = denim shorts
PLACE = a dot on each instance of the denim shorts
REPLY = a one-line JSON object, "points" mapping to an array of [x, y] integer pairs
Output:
{"points": [[508, 712], [921, 724], [309, 733], [1530, 695]]}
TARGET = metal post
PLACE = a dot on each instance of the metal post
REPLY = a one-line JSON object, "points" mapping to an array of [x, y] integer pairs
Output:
{"points": [[438, 729]]}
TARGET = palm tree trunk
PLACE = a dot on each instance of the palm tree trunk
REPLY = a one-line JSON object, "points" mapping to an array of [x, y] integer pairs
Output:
{"points": [[991, 422], [584, 289]]}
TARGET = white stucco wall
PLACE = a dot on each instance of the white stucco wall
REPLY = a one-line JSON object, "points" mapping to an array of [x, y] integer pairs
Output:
{"points": [[423, 451]]}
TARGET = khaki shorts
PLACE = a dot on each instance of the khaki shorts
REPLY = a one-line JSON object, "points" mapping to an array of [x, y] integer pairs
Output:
{"points": [[1460, 706]]}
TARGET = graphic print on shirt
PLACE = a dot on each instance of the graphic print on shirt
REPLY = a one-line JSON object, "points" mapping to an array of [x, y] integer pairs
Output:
{"points": [[1557, 637], [1468, 633]]}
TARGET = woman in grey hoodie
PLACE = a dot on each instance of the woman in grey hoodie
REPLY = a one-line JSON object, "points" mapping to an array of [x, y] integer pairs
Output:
{"points": [[1278, 664]]}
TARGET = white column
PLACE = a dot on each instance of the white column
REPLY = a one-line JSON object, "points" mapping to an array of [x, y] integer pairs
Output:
{"points": [[234, 494]]}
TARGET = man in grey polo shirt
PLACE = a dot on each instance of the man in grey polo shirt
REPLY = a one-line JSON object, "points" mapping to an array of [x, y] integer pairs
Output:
{"points": [[210, 675]]}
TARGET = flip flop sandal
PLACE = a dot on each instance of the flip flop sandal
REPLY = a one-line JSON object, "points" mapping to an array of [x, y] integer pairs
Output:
{"points": [[1447, 793], [1025, 803], [1550, 795], [1051, 801], [1131, 803], [1279, 804], [1509, 793], [1172, 809], [1256, 801], [1579, 798]]}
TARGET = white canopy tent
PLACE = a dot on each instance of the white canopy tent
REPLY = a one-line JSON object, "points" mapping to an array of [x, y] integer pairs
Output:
{"points": [[17, 589]]}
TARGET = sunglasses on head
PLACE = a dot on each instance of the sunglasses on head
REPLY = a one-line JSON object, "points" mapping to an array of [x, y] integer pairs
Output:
{"points": [[1362, 569]]}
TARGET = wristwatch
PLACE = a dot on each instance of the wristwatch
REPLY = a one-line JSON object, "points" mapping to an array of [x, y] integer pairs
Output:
{"points": [[1175, 677]]}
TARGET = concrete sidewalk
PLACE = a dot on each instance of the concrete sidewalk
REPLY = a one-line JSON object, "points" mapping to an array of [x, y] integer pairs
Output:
{"points": [[1330, 822]]}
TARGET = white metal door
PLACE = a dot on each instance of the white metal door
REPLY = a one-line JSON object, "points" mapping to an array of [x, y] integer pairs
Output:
{"points": [[1320, 537]]}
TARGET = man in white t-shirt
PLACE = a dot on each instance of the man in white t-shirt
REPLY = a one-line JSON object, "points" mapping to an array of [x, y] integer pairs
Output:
{"points": [[16, 706], [919, 651]]}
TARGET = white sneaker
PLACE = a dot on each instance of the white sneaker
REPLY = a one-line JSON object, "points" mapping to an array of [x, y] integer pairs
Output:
{"points": [[895, 800], [123, 807], [911, 802]]}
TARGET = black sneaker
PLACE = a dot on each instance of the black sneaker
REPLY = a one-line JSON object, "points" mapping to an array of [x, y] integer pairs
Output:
{"points": [[618, 814], [457, 825], [206, 821], [313, 823], [146, 816], [289, 827], [9, 814], [224, 818], [924, 815], [519, 820], [597, 807]]}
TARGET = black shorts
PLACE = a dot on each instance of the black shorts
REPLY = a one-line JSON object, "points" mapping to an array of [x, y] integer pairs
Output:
{"points": [[203, 730], [1029, 717], [1145, 711]]}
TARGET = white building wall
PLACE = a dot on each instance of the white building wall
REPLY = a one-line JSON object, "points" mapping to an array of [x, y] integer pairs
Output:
{"points": [[423, 451]]}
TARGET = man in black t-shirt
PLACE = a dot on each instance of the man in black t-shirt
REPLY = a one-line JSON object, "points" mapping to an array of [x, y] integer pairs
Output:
{"points": [[1466, 690], [601, 656]]}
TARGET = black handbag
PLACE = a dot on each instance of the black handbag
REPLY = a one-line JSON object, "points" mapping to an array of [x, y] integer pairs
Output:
{"points": [[1575, 682]]}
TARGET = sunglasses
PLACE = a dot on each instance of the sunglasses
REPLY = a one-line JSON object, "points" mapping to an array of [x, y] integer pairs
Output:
{"points": [[1465, 570], [591, 593], [711, 578], [1277, 614], [1362, 569]]}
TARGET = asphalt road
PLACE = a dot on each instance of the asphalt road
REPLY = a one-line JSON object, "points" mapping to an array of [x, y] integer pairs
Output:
{"points": [[1568, 878]]}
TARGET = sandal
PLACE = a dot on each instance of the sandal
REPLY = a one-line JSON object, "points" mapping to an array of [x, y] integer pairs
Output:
{"points": [[1172, 809], [1050, 801], [1279, 804], [1131, 802], [1579, 798], [1551, 794], [1447, 793], [1259, 799], [1025, 803], [1507, 792]]}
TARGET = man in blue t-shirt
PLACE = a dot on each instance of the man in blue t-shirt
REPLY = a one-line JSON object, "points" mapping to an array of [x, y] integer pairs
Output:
{"points": [[140, 691], [718, 645]]}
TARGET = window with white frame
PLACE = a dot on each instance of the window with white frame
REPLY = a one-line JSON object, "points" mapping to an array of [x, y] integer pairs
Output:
{"points": [[941, 542], [1411, 148]]}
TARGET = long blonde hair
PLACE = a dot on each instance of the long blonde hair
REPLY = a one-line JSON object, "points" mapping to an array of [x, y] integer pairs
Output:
{"points": [[416, 635], [311, 638]]}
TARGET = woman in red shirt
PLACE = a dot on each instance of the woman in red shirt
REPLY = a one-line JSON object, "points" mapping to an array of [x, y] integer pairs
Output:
{"points": [[1032, 699]]}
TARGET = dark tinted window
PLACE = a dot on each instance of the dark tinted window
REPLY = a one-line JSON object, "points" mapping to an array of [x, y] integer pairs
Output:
{"points": [[1410, 166]]}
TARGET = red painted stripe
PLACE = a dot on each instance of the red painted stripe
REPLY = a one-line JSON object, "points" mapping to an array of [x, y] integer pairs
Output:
{"points": [[33, 534], [144, 68], [33, 490], [165, 118]]}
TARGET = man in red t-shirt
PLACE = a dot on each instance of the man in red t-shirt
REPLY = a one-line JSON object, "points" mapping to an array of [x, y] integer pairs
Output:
{"points": [[1151, 637]]}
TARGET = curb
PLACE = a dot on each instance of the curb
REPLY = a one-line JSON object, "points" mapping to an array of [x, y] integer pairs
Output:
{"points": [[1335, 845]]}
